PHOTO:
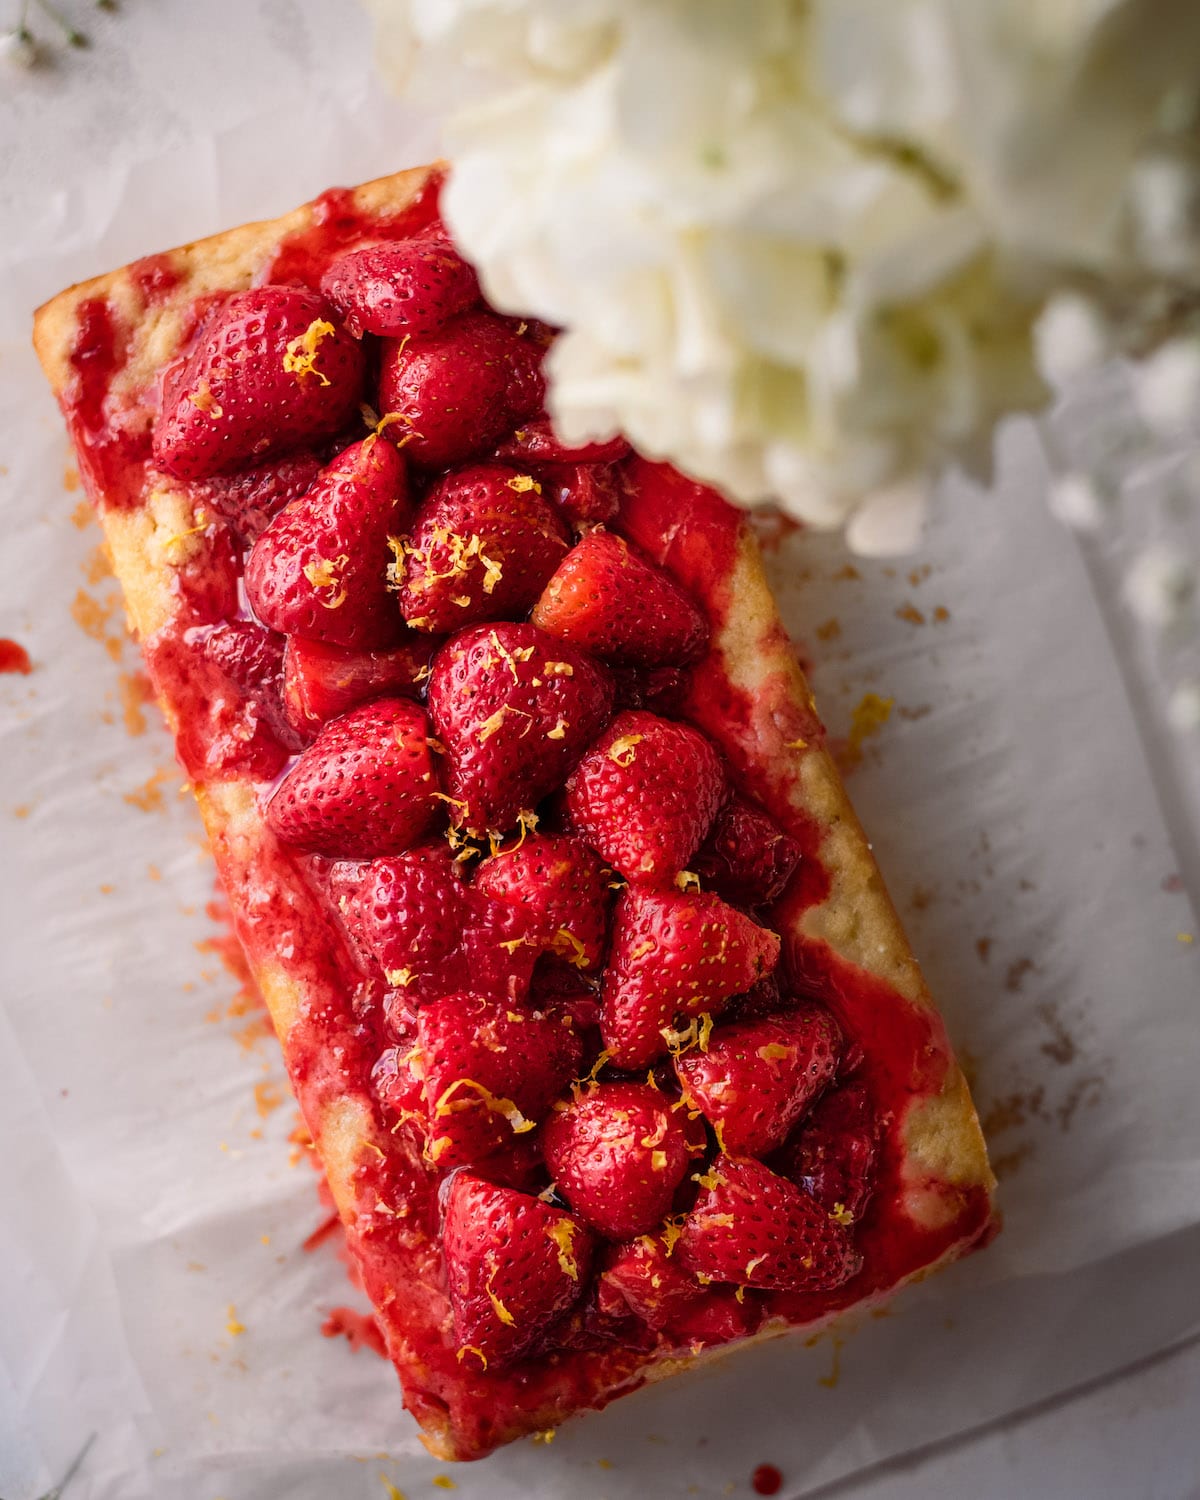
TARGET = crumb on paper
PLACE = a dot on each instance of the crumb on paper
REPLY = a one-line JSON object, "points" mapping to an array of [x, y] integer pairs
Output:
{"points": [[1185, 937], [22, 810], [983, 946], [911, 614], [940, 615], [149, 795], [83, 515], [1014, 978], [98, 565], [268, 1096], [1006, 1164], [870, 714], [135, 692], [918, 575], [392, 1492], [829, 630], [233, 1324]]}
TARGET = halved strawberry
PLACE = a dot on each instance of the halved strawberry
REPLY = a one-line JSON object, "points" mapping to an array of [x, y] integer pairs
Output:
{"points": [[645, 1279], [514, 1265], [269, 372], [482, 547], [319, 570], [320, 682], [462, 387], [608, 599], [754, 1228], [242, 731], [758, 1078], [834, 1153], [514, 708], [409, 912], [645, 794], [561, 890], [746, 858], [674, 955], [617, 1153], [400, 286], [248, 500], [491, 1070], [586, 495], [534, 442], [366, 786]]}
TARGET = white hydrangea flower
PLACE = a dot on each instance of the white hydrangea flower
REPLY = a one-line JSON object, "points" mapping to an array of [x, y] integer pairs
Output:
{"points": [[800, 250]]}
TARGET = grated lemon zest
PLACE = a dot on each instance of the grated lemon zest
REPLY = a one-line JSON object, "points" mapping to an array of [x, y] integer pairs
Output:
{"points": [[558, 669], [325, 573], [559, 732], [562, 1233], [773, 1051], [448, 1105], [840, 1214], [523, 483], [687, 880], [204, 400], [622, 748], [567, 945], [478, 1353], [399, 979], [300, 357]]}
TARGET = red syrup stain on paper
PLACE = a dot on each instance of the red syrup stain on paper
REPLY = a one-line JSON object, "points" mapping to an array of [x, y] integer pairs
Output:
{"points": [[766, 1480], [14, 658]]}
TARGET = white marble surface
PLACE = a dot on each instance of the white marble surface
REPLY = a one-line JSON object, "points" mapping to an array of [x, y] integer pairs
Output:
{"points": [[164, 75]]}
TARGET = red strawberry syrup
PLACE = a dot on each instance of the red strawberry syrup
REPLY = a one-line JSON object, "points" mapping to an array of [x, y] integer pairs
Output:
{"points": [[14, 658]]}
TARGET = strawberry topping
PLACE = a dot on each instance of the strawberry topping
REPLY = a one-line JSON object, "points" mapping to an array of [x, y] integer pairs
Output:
{"points": [[562, 892], [482, 548], [534, 442], [754, 1228], [834, 1153], [758, 1078], [645, 794], [675, 956], [403, 286], [746, 858], [514, 1265], [248, 500], [459, 389], [617, 1153], [513, 708], [365, 787], [270, 372], [608, 599], [320, 682], [319, 570]]}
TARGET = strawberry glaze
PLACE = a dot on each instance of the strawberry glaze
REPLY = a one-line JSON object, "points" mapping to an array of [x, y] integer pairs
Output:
{"points": [[390, 1206]]}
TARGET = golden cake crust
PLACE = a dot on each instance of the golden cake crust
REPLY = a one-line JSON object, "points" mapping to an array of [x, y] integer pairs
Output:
{"points": [[778, 743]]}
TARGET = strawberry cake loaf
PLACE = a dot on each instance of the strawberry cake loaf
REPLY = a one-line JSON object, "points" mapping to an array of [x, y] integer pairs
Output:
{"points": [[588, 986]]}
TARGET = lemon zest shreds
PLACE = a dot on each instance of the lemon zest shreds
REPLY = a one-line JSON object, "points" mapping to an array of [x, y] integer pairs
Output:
{"points": [[622, 748], [326, 573], [719, 1131], [752, 1264], [559, 732], [589, 1080], [300, 357], [204, 400], [687, 880], [567, 945], [795, 744], [547, 1194], [523, 483], [840, 1214], [562, 1233], [478, 1353], [512, 944], [494, 722], [505, 656], [671, 1230], [647, 945], [706, 1026], [443, 1482], [707, 1180], [502, 1312], [378, 424], [448, 1105], [399, 979], [658, 1161], [739, 1294], [233, 1324], [773, 1051], [547, 1435], [718, 1221], [558, 669]]}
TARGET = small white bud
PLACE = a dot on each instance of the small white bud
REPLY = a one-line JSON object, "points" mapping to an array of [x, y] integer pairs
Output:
{"points": [[1183, 707], [1160, 585], [889, 522], [18, 48], [1166, 388]]}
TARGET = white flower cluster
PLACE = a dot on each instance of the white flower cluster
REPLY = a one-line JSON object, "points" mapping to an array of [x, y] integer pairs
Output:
{"points": [[802, 248]]}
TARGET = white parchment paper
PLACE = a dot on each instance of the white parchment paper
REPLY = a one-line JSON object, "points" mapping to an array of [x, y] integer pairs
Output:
{"points": [[153, 1288]]}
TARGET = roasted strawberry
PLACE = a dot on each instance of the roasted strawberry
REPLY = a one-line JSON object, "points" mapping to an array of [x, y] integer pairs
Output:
{"points": [[673, 955], [834, 1153], [409, 913], [534, 442], [617, 1153], [562, 891], [514, 1265], [269, 372], [459, 389], [319, 570], [320, 682], [513, 708], [586, 495], [608, 599], [365, 787], [400, 286], [248, 500], [645, 794], [746, 858], [644, 1279], [491, 1072], [247, 730], [758, 1078], [755, 1228], [482, 547]]}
